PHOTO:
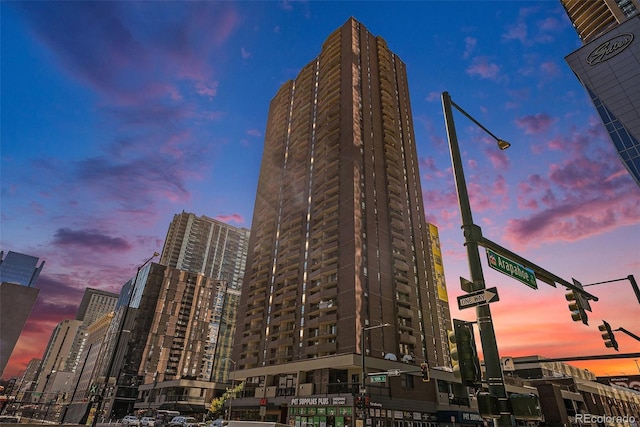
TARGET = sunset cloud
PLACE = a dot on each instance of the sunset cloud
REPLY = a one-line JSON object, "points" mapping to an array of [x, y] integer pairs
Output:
{"points": [[235, 218], [535, 124], [483, 68], [90, 238]]}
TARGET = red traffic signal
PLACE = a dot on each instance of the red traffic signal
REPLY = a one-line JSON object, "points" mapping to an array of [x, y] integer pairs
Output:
{"points": [[424, 368]]}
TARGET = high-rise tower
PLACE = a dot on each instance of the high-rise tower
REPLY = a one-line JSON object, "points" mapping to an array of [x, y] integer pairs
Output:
{"points": [[18, 276], [208, 246], [608, 66], [339, 241], [95, 303]]}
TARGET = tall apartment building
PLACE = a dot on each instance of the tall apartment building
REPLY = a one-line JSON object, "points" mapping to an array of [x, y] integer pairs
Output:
{"points": [[208, 246], [95, 303], [181, 316], [183, 364], [339, 244], [57, 352], [608, 66], [93, 355], [18, 276], [27, 380]]}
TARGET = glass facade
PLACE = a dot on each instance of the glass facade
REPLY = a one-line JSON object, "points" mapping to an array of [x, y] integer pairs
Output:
{"points": [[609, 69], [19, 269], [627, 146]]}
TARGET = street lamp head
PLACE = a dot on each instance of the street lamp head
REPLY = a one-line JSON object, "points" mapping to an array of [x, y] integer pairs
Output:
{"points": [[382, 325], [155, 254], [502, 144]]}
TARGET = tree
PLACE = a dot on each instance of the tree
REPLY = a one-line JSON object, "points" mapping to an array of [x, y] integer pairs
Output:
{"points": [[216, 406]]}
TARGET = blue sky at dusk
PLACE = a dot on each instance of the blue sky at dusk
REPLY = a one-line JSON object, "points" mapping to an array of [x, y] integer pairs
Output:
{"points": [[117, 115]]}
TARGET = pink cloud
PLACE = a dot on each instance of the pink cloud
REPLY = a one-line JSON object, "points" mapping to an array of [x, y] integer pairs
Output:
{"points": [[209, 89], [245, 53], [237, 218], [535, 124], [550, 24], [580, 214], [483, 68], [550, 69], [254, 132], [212, 115], [470, 45], [498, 158], [574, 221], [517, 31], [433, 96], [428, 163]]}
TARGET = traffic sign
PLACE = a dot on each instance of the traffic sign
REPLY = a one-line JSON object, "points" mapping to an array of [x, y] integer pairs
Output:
{"points": [[393, 372], [481, 297], [512, 269], [378, 379]]}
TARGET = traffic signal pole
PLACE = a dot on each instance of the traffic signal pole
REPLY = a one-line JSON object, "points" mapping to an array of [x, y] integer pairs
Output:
{"points": [[472, 233], [630, 278]]}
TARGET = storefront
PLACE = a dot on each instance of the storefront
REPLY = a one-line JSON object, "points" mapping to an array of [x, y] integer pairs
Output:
{"points": [[340, 411], [321, 412], [460, 418]]}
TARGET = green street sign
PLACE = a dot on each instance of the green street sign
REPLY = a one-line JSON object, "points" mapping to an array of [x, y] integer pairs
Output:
{"points": [[378, 378], [512, 269]]}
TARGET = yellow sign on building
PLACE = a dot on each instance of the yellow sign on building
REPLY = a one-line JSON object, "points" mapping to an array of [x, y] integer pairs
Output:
{"points": [[437, 262]]}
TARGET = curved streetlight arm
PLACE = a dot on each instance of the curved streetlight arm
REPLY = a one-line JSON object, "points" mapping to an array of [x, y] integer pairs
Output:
{"points": [[468, 116], [502, 144]]}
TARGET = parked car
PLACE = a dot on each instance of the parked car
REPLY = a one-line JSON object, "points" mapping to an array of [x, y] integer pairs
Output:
{"points": [[147, 421], [182, 421], [130, 420], [220, 422]]}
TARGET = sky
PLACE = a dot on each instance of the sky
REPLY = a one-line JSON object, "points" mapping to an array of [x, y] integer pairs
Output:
{"points": [[118, 115]]}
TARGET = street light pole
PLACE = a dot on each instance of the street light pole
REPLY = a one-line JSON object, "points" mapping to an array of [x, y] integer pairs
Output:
{"points": [[363, 389], [472, 234], [233, 384], [117, 341]]}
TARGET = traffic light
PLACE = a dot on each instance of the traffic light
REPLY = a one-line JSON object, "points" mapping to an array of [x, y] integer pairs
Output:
{"points": [[424, 368], [464, 357], [359, 401], [362, 402], [577, 307], [607, 336]]}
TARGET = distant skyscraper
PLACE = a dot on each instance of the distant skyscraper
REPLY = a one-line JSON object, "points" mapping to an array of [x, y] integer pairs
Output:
{"points": [[95, 303], [339, 241], [19, 268], [181, 317], [608, 66], [18, 276], [58, 350], [205, 245], [26, 381]]}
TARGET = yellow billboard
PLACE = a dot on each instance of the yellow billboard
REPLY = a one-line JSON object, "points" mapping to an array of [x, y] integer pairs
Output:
{"points": [[437, 263]]}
